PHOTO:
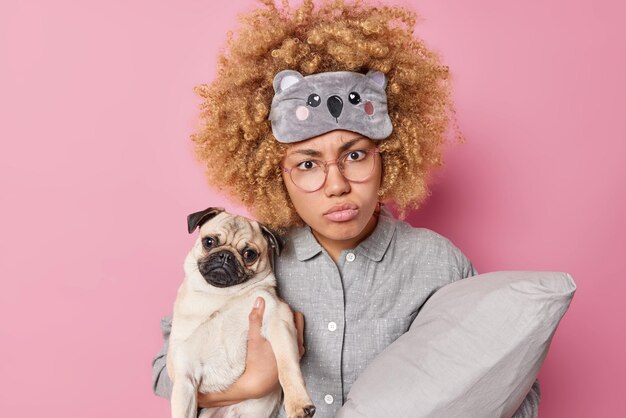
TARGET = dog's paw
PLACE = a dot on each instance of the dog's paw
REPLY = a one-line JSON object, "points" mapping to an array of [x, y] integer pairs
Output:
{"points": [[301, 412]]}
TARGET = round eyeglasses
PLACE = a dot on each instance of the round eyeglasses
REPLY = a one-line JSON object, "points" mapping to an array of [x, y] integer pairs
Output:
{"points": [[356, 166]]}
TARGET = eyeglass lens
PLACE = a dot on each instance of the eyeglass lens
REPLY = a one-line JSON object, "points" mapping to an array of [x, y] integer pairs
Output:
{"points": [[355, 166]]}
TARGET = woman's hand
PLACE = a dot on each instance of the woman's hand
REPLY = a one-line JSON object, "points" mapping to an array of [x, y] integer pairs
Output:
{"points": [[261, 374]]}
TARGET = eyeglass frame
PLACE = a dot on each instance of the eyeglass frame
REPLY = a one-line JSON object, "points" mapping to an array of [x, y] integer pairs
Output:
{"points": [[328, 163]]}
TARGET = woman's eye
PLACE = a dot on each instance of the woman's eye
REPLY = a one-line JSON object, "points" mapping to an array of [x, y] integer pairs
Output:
{"points": [[208, 242], [307, 165], [355, 155], [249, 256]]}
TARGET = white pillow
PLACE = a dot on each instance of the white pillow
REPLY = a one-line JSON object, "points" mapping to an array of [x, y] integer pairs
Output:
{"points": [[474, 350]]}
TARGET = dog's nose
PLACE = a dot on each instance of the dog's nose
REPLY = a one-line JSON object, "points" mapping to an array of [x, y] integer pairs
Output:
{"points": [[225, 256]]}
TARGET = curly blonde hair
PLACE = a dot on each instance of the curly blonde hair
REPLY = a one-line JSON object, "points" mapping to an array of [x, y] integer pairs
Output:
{"points": [[235, 139]]}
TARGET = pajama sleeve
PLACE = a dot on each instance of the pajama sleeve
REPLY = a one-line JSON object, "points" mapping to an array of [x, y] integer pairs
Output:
{"points": [[161, 383], [530, 406]]}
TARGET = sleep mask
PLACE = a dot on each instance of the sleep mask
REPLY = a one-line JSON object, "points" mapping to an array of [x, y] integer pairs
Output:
{"points": [[304, 107]]}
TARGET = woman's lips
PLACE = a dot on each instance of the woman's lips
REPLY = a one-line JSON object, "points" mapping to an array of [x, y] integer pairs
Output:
{"points": [[342, 213]]}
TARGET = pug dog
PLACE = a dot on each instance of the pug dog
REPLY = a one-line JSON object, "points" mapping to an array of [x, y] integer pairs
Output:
{"points": [[229, 266]]}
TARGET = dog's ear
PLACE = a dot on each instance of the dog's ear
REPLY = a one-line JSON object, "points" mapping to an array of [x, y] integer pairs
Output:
{"points": [[196, 219], [275, 241]]}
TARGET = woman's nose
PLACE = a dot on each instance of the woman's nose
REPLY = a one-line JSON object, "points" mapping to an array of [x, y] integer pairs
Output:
{"points": [[336, 184]]}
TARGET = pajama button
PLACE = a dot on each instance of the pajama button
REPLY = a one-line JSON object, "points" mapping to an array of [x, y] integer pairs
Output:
{"points": [[328, 399], [350, 257], [332, 327]]}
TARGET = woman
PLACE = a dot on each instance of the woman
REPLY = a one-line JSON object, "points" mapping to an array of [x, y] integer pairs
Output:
{"points": [[357, 275]]}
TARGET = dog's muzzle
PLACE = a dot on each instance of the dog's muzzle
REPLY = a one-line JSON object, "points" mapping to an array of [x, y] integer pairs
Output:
{"points": [[221, 269]]}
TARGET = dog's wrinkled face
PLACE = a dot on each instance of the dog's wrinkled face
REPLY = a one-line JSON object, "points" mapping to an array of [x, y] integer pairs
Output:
{"points": [[231, 250]]}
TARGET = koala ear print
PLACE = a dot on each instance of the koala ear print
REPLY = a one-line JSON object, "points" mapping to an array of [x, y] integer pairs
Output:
{"points": [[197, 219], [285, 79], [275, 241], [378, 78]]}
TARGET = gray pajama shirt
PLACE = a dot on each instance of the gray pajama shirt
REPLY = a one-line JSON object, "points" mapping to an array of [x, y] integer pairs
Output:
{"points": [[355, 308]]}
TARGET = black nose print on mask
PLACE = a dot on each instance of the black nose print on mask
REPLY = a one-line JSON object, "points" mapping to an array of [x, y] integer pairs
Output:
{"points": [[335, 106]]}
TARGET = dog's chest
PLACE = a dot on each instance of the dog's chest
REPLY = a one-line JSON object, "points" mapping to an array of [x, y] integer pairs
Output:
{"points": [[214, 350]]}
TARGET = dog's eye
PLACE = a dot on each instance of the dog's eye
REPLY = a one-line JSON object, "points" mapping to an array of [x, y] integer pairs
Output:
{"points": [[250, 255], [208, 243]]}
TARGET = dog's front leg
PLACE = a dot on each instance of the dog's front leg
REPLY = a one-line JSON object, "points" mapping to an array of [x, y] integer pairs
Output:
{"points": [[184, 398], [282, 336]]}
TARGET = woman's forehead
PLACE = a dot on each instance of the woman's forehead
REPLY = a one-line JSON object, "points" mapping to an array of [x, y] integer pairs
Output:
{"points": [[330, 142]]}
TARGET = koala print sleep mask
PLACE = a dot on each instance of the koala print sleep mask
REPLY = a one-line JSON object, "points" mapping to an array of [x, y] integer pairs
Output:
{"points": [[304, 107]]}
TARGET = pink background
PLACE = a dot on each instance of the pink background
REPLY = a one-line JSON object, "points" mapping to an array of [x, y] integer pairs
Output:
{"points": [[97, 177]]}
